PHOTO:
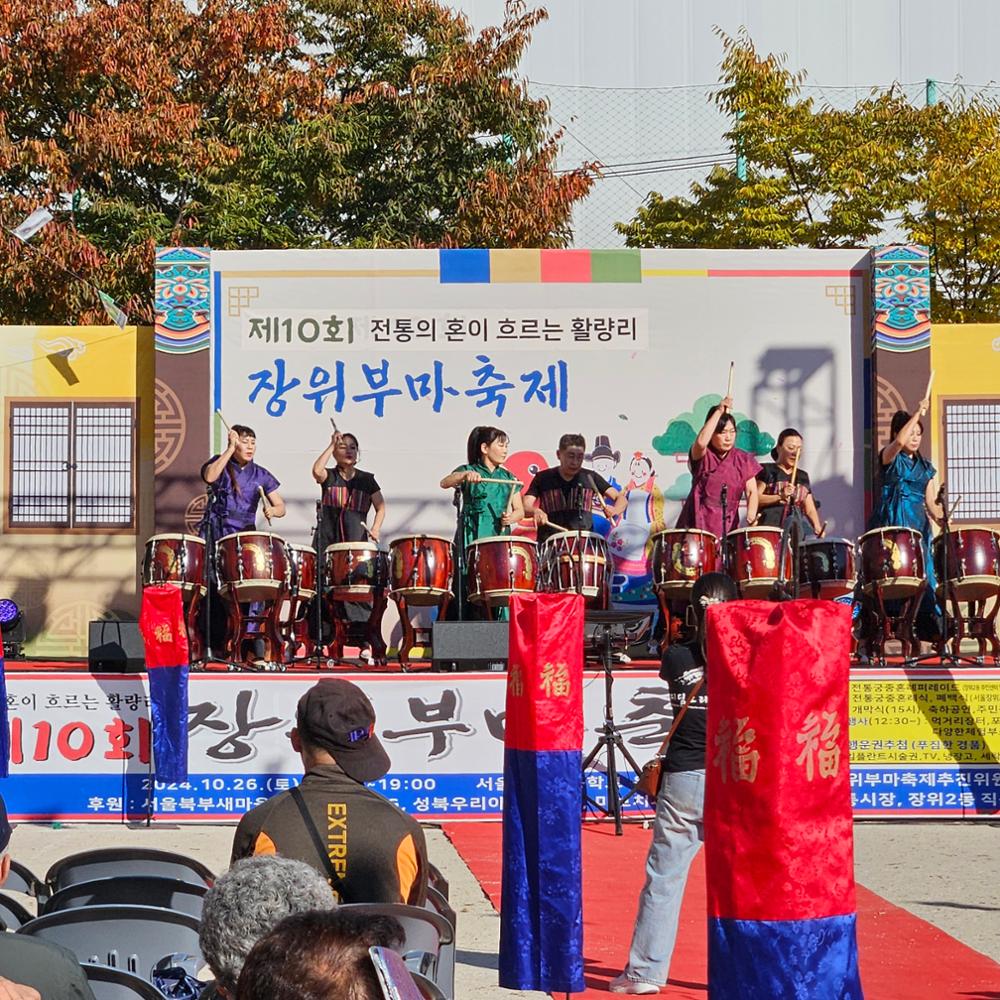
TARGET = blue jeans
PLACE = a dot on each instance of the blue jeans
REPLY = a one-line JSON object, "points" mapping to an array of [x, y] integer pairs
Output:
{"points": [[677, 837]]}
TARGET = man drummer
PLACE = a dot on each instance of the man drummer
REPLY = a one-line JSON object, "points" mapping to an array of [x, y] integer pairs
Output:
{"points": [[235, 482], [564, 496]]}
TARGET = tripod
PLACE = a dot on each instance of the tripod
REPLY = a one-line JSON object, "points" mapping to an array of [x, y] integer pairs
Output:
{"points": [[611, 633]]}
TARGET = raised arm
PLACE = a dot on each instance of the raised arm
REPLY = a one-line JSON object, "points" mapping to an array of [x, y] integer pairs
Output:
{"points": [[319, 466], [753, 497], [704, 438], [454, 479], [213, 470], [378, 503], [895, 446]]}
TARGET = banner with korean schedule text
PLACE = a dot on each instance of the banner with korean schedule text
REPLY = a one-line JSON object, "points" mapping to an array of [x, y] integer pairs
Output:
{"points": [[80, 744]]}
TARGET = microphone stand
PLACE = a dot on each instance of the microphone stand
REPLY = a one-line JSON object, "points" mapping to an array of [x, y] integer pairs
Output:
{"points": [[320, 559], [459, 553], [211, 576]]}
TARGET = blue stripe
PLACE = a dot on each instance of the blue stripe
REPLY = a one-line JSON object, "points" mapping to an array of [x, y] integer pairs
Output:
{"points": [[168, 703], [217, 345], [541, 910], [791, 959]]}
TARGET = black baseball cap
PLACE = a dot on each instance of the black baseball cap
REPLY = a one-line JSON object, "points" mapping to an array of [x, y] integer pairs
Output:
{"points": [[336, 715], [5, 829]]}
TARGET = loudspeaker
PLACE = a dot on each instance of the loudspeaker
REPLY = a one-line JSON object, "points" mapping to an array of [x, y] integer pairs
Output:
{"points": [[116, 647], [469, 645]]}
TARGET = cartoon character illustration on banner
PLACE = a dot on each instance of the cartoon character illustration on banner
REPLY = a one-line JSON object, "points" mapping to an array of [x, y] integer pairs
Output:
{"points": [[629, 540], [603, 461]]}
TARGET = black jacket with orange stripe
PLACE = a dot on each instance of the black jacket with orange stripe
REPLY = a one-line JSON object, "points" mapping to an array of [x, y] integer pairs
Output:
{"points": [[376, 851]]}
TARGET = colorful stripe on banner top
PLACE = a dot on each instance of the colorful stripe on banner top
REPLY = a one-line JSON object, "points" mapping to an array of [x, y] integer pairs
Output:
{"points": [[778, 825], [164, 633]]}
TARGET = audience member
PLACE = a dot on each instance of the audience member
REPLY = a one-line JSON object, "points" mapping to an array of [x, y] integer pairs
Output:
{"points": [[370, 851], [318, 956], [246, 902], [15, 991]]}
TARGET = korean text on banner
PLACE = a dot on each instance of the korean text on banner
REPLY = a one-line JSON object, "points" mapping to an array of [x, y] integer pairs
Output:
{"points": [[778, 836], [541, 909], [164, 634]]}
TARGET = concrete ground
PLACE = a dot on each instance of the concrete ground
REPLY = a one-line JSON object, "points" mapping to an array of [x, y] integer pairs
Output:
{"points": [[946, 873]]}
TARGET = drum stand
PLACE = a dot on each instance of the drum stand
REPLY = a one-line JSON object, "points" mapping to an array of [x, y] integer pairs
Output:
{"points": [[982, 629], [610, 636], [792, 533]]}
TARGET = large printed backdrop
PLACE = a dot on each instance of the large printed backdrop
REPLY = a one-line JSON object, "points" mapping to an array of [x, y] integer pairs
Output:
{"points": [[410, 349]]}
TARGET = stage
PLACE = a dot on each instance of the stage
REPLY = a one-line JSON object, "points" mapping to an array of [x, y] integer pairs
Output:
{"points": [[925, 740]]}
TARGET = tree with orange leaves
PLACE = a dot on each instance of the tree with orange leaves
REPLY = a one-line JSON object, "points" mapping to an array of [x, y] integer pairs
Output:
{"points": [[267, 124]]}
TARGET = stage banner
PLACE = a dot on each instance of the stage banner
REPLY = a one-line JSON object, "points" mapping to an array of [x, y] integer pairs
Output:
{"points": [[541, 908], [161, 622], [779, 846]]}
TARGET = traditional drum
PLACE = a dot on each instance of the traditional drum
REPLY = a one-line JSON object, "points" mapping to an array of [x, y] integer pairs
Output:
{"points": [[892, 562], [828, 568], [500, 566], [353, 571], [972, 567], [176, 559], [252, 566], [302, 581], [576, 563], [420, 569], [751, 559], [680, 556]]}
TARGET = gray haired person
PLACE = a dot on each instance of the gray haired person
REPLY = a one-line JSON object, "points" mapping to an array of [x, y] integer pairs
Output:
{"points": [[246, 902]]}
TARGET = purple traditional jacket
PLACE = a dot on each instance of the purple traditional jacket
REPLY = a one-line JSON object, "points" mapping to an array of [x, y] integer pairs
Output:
{"points": [[233, 510], [703, 507]]}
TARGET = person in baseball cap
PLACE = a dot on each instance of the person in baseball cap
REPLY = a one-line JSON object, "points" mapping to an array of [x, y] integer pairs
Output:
{"points": [[336, 716], [368, 848]]}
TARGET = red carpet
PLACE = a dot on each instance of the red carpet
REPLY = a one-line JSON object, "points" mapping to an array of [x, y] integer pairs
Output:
{"points": [[901, 955]]}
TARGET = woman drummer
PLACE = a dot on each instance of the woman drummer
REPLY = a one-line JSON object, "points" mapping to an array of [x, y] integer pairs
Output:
{"points": [[491, 496], [490, 507], [778, 497], [907, 498], [349, 494], [721, 474]]}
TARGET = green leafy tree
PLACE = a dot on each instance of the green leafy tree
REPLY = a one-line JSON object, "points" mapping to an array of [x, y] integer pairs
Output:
{"points": [[279, 123], [822, 177]]}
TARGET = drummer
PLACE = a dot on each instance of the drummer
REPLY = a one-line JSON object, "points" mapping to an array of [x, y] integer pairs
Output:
{"points": [[777, 496], [233, 501], [719, 471], [564, 496], [907, 498], [349, 493], [489, 507]]}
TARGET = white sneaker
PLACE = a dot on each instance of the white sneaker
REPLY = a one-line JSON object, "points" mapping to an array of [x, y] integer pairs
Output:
{"points": [[622, 984]]}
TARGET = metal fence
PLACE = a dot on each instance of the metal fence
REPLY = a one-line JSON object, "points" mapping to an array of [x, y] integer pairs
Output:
{"points": [[664, 139]]}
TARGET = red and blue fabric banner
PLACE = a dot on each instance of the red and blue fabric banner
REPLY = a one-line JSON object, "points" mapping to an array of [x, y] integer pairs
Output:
{"points": [[4, 728], [779, 841], [541, 905], [164, 633]]}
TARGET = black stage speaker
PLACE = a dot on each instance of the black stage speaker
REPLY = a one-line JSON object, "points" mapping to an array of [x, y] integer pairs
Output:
{"points": [[469, 645], [116, 647]]}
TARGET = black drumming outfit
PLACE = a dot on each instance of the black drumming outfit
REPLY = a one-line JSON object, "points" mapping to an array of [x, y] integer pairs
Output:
{"points": [[344, 508], [771, 478], [569, 503]]}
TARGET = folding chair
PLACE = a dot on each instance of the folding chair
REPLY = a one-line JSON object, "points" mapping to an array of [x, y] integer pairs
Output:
{"points": [[130, 890], [426, 933], [22, 879], [107, 862], [446, 956], [108, 983], [133, 938], [12, 913]]}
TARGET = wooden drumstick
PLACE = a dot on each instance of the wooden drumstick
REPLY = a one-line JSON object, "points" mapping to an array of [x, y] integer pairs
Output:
{"points": [[795, 469], [732, 371], [263, 496], [218, 413], [822, 529], [930, 382], [954, 506]]}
